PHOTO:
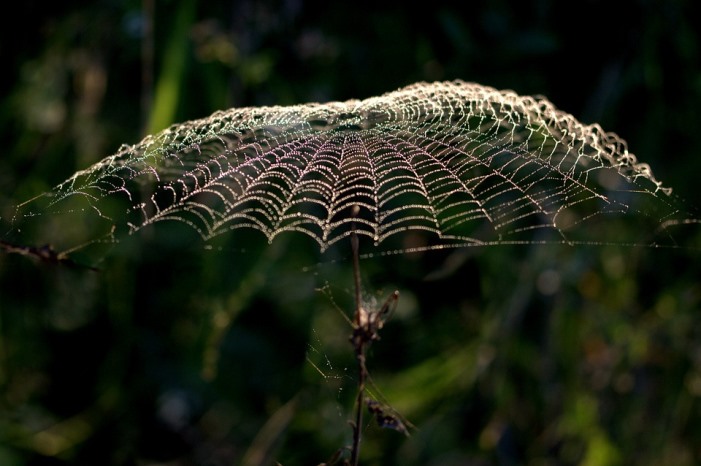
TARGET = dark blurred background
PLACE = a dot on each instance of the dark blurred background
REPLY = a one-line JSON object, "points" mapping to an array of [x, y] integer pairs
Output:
{"points": [[173, 354]]}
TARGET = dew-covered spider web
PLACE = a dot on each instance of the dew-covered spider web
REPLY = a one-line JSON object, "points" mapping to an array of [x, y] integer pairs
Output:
{"points": [[458, 163]]}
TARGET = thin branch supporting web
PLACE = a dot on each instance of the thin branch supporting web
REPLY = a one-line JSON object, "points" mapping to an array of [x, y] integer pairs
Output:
{"points": [[460, 163]]}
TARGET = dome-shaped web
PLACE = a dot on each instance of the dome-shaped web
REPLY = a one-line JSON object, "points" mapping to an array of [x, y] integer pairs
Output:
{"points": [[460, 162]]}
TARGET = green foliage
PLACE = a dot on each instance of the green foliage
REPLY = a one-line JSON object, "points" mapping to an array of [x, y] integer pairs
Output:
{"points": [[174, 352], [169, 85]]}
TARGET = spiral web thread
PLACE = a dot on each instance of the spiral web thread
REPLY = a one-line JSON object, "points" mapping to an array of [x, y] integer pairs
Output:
{"points": [[462, 163]]}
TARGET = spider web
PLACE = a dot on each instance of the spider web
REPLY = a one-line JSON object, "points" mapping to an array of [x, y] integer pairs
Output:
{"points": [[458, 162]]}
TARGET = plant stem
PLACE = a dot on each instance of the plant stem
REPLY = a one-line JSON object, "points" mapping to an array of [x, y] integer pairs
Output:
{"points": [[359, 345], [359, 402], [356, 276]]}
